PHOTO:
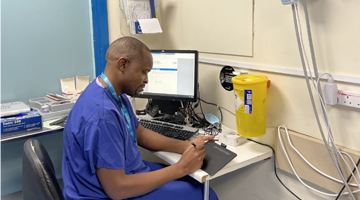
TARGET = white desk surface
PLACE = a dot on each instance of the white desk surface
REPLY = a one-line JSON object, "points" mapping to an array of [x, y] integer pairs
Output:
{"points": [[247, 153]]}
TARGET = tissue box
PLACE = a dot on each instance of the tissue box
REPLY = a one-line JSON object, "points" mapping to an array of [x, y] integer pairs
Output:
{"points": [[23, 122]]}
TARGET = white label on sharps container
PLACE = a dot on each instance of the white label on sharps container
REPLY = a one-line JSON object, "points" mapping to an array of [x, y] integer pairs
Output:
{"points": [[238, 101]]}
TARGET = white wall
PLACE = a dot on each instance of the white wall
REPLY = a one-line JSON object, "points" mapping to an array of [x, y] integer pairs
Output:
{"points": [[336, 31]]}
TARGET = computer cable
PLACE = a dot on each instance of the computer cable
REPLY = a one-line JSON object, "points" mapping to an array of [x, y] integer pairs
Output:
{"points": [[200, 103], [227, 110], [195, 119], [213, 129], [221, 115], [199, 120], [206, 125], [275, 167], [348, 179], [295, 173], [307, 162], [218, 106], [335, 158], [210, 129]]}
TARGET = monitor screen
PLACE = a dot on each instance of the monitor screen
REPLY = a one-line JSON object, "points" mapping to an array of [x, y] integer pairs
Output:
{"points": [[174, 76]]}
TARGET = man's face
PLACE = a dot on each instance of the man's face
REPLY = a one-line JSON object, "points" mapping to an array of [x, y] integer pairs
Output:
{"points": [[138, 74]]}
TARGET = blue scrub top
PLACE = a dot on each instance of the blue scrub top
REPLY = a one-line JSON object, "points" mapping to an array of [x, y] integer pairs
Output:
{"points": [[96, 136]]}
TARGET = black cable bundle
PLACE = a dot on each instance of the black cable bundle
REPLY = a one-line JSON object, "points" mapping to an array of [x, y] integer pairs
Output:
{"points": [[199, 121], [193, 118]]}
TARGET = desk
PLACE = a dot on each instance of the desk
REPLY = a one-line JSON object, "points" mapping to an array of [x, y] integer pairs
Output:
{"points": [[247, 153], [47, 129]]}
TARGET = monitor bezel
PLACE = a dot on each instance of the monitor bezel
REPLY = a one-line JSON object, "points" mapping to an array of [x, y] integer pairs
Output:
{"points": [[173, 97]]}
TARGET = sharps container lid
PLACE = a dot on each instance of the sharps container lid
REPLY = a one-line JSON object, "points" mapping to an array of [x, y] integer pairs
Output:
{"points": [[249, 79]]}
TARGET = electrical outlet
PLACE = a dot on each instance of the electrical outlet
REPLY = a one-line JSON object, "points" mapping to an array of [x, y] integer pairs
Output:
{"points": [[348, 98]]}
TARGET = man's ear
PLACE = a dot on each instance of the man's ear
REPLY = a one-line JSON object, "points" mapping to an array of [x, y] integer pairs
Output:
{"points": [[121, 64]]}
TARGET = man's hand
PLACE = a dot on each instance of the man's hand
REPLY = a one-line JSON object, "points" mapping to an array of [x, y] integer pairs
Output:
{"points": [[200, 141], [193, 156]]}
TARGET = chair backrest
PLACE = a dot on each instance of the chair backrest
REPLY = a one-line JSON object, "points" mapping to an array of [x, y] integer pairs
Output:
{"points": [[38, 175]]}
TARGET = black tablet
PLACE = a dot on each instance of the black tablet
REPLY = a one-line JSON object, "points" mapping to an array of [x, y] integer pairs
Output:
{"points": [[216, 157]]}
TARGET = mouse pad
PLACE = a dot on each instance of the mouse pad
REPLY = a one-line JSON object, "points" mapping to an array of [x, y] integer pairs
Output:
{"points": [[216, 157]]}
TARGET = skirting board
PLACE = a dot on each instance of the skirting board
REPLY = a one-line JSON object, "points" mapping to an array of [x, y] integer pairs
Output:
{"points": [[315, 152]]}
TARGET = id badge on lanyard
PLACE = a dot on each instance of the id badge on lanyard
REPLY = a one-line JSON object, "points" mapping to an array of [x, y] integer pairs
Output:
{"points": [[122, 106]]}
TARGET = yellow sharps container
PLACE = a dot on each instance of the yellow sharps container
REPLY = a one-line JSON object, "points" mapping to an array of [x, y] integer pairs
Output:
{"points": [[250, 104]]}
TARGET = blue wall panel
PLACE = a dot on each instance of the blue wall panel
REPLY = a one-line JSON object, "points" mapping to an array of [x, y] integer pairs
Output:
{"points": [[101, 34]]}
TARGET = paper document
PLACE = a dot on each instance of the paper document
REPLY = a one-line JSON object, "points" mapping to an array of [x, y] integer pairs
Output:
{"points": [[138, 10], [150, 25]]}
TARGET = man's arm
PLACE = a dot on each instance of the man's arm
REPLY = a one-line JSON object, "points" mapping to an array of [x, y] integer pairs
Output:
{"points": [[118, 185], [157, 142]]}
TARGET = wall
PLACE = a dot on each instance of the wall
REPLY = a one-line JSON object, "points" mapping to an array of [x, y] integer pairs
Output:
{"points": [[41, 42], [335, 31]]}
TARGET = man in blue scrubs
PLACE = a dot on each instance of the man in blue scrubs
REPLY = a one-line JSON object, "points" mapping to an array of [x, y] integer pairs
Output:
{"points": [[101, 158]]}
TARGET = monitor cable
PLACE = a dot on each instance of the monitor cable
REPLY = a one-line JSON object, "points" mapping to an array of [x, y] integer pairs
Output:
{"points": [[192, 117], [275, 167], [209, 128]]}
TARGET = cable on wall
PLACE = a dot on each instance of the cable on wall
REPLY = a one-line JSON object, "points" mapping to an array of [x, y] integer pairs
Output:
{"points": [[335, 158], [275, 167], [295, 173]]}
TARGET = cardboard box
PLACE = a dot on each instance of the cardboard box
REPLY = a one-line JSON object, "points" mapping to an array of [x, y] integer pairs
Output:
{"points": [[23, 122], [68, 86]]}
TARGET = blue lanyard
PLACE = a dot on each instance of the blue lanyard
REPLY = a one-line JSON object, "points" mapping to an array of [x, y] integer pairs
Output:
{"points": [[122, 106]]}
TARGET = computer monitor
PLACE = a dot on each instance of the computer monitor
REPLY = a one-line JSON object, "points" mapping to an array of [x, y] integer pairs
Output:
{"points": [[173, 78]]}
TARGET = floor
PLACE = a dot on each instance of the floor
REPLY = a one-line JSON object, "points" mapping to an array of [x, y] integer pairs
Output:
{"points": [[13, 196]]}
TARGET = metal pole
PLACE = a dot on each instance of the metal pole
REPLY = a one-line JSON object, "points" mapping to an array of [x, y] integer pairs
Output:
{"points": [[206, 190]]}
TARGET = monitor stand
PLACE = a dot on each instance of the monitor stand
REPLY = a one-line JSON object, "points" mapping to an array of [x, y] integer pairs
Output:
{"points": [[176, 119], [167, 111]]}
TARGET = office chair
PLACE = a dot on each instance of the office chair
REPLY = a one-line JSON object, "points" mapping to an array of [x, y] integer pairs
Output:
{"points": [[38, 176]]}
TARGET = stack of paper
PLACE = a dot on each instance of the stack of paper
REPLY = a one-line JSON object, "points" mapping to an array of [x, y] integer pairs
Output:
{"points": [[141, 16]]}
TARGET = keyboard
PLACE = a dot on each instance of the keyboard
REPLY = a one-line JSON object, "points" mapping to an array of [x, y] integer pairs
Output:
{"points": [[175, 131]]}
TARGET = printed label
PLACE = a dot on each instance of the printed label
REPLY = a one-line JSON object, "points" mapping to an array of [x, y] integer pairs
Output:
{"points": [[138, 28], [238, 101], [248, 101], [243, 101]]}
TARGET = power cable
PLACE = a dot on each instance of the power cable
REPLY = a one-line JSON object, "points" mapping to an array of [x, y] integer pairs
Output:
{"points": [[336, 163], [343, 187], [275, 167]]}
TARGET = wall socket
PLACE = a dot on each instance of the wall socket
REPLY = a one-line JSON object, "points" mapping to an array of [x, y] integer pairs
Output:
{"points": [[348, 98]]}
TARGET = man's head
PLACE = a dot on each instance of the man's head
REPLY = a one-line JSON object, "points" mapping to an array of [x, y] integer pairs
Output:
{"points": [[128, 63]]}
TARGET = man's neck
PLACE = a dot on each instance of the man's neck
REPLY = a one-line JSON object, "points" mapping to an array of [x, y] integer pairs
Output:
{"points": [[117, 90]]}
